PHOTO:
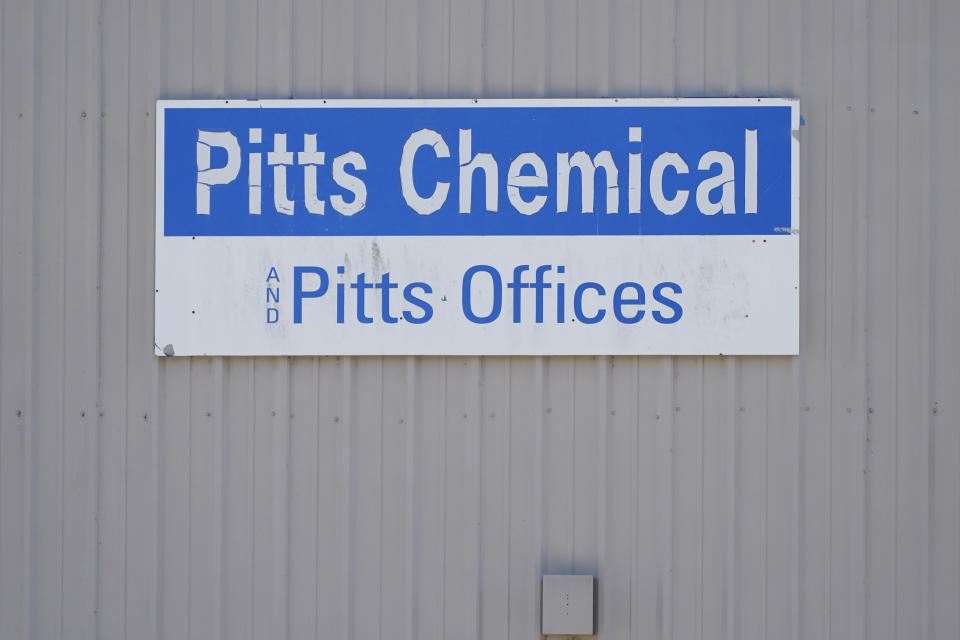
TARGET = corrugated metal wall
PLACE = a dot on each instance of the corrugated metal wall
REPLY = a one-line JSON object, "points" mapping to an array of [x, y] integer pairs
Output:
{"points": [[421, 498]]}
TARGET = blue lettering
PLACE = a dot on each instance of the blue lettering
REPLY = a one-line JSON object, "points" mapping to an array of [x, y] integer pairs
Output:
{"points": [[467, 301], [299, 294], [409, 296], [672, 304], [578, 303], [619, 301], [385, 285], [518, 286], [361, 285]]}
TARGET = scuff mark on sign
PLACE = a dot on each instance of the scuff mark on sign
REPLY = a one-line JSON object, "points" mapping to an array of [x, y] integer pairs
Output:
{"points": [[376, 258]]}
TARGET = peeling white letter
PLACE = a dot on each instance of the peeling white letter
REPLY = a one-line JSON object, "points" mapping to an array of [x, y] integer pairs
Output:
{"points": [[422, 138], [587, 169], [253, 175], [207, 177], [674, 205], [483, 161], [750, 174], [310, 158], [349, 182], [634, 177], [280, 158], [515, 181], [724, 179]]}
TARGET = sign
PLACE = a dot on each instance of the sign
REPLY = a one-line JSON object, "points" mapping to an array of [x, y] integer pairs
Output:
{"points": [[310, 227]]}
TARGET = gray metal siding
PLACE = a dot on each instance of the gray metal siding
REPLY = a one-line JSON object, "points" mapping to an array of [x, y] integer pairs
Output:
{"points": [[422, 498]]}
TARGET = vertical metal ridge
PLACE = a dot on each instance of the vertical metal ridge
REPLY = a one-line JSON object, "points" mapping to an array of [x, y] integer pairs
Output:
{"points": [[410, 458], [665, 510], [347, 455], [732, 565], [537, 507], [443, 401], [945, 522], [601, 509]]}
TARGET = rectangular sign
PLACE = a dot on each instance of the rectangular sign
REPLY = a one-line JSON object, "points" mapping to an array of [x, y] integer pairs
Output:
{"points": [[475, 227]]}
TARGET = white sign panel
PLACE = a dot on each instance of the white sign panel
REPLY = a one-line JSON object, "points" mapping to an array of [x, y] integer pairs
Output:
{"points": [[513, 227]]}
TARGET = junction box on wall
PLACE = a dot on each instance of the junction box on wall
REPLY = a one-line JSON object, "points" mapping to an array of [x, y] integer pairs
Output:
{"points": [[568, 605]]}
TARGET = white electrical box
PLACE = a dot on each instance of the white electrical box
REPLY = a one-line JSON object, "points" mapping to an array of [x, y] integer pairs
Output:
{"points": [[568, 605]]}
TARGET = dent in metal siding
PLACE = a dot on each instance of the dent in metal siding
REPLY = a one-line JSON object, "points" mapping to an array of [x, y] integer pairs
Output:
{"points": [[809, 497]]}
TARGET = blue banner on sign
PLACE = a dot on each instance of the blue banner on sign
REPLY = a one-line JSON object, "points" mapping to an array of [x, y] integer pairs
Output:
{"points": [[476, 171]]}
